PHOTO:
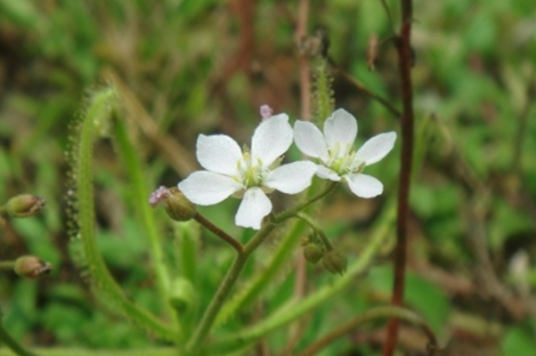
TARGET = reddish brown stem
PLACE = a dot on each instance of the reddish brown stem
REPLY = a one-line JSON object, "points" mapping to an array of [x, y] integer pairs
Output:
{"points": [[220, 233], [305, 80], [405, 61]]}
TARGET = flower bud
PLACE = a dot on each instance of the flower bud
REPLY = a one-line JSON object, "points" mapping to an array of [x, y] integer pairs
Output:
{"points": [[334, 262], [312, 252], [182, 295], [31, 267], [177, 206], [24, 205]]}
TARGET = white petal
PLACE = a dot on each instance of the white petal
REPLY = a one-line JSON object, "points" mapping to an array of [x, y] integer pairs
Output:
{"points": [[271, 139], [310, 140], [254, 207], [291, 178], [208, 188], [218, 153], [364, 186], [341, 127], [376, 148], [326, 173]]}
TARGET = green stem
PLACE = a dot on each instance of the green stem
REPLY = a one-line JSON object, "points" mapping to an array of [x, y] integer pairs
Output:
{"points": [[284, 215], [369, 315], [7, 265], [223, 291], [238, 265], [327, 243], [284, 250], [298, 307]]}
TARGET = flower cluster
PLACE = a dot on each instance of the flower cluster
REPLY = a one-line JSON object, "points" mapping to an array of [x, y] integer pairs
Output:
{"points": [[252, 174]]}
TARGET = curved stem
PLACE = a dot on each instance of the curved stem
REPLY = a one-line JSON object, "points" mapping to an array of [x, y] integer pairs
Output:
{"points": [[219, 232], [327, 243], [369, 315], [284, 215], [225, 287], [296, 308], [389, 16], [100, 109], [238, 265], [362, 88]]}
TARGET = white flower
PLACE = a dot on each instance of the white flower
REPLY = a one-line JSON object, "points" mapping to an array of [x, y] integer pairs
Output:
{"points": [[337, 159], [229, 171]]}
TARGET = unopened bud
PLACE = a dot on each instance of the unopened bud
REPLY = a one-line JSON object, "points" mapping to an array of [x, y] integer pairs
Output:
{"points": [[335, 262], [266, 112], [24, 205], [312, 252], [32, 267], [177, 206]]}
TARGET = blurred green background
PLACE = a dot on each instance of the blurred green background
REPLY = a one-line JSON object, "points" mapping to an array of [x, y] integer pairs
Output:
{"points": [[205, 66]]}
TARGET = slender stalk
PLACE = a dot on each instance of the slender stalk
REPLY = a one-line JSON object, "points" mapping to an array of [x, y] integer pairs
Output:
{"points": [[389, 16], [219, 232], [225, 287], [7, 265], [362, 88], [238, 265], [284, 215], [405, 61], [327, 243], [296, 308], [369, 315]]}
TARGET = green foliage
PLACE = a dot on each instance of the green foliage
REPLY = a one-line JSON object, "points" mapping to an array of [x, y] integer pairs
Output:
{"points": [[190, 66], [519, 341]]}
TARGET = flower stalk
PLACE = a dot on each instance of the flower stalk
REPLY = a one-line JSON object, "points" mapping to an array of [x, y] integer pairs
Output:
{"points": [[238, 265], [219, 232]]}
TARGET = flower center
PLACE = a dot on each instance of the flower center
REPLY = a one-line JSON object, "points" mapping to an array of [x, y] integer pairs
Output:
{"points": [[341, 160], [250, 172]]}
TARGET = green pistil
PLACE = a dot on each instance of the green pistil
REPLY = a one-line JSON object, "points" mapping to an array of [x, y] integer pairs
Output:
{"points": [[342, 163], [250, 173]]}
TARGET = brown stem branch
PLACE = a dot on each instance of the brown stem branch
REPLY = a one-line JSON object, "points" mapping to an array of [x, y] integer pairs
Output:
{"points": [[362, 88], [405, 60], [220, 233]]}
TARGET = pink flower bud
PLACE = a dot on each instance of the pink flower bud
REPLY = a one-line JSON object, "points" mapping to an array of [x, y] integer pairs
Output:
{"points": [[266, 112], [31, 267], [177, 206]]}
